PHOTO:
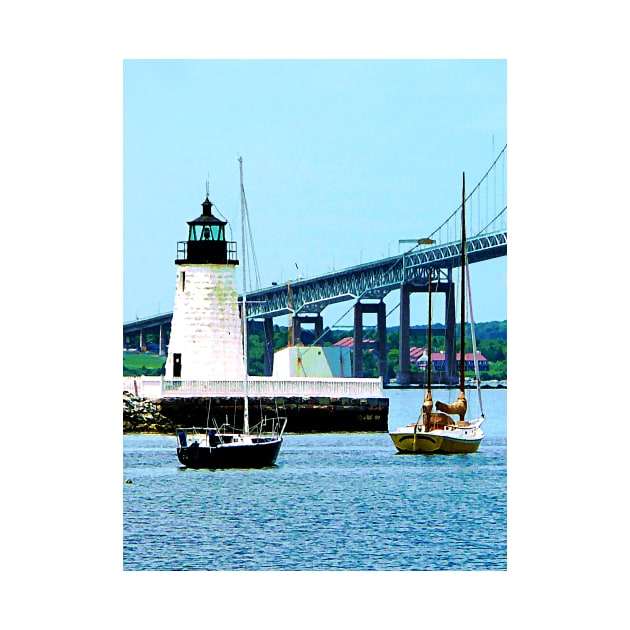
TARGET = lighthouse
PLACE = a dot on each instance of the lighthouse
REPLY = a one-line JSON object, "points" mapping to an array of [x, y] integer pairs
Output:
{"points": [[206, 341]]}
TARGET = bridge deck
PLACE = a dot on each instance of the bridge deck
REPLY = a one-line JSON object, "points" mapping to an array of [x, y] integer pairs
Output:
{"points": [[372, 280]]}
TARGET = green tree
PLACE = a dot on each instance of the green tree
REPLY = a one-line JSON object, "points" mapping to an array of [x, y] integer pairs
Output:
{"points": [[392, 362], [370, 364], [498, 370], [280, 337], [493, 349], [392, 339], [256, 354]]}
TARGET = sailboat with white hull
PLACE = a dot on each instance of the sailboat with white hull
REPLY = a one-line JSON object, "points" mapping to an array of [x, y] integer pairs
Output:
{"points": [[225, 446], [438, 431]]}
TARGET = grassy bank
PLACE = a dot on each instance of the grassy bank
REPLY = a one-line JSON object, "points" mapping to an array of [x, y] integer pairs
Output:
{"points": [[137, 364]]}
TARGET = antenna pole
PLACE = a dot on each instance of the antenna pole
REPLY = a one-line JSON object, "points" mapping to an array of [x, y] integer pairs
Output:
{"points": [[244, 307], [463, 289], [429, 339]]}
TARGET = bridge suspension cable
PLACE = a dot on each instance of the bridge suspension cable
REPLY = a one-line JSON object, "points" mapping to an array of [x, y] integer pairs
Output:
{"points": [[451, 223]]}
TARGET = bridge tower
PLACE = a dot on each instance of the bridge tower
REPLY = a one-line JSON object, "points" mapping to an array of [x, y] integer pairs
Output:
{"points": [[206, 337], [381, 338], [447, 287]]}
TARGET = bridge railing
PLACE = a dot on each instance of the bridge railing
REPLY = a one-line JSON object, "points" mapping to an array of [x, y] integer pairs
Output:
{"points": [[258, 386]]}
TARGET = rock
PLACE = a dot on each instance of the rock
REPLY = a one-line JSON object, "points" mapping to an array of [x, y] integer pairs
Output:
{"points": [[140, 415]]}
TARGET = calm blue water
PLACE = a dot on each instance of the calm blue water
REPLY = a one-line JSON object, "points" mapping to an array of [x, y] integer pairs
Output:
{"points": [[332, 502]]}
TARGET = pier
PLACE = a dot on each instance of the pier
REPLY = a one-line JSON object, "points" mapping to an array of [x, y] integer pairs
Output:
{"points": [[155, 387], [310, 405]]}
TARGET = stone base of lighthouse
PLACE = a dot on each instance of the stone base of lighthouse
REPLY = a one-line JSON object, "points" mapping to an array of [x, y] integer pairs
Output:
{"points": [[206, 340]]}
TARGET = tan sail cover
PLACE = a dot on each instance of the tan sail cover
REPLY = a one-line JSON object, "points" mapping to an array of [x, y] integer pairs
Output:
{"points": [[458, 407], [427, 405]]}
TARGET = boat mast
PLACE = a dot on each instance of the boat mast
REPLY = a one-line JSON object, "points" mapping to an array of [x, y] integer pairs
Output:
{"points": [[463, 289], [244, 308], [429, 340]]}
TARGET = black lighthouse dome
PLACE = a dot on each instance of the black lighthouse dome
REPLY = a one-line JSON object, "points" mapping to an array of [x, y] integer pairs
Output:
{"points": [[206, 242]]}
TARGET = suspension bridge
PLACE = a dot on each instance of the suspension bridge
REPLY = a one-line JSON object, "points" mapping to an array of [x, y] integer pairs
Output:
{"points": [[367, 284]]}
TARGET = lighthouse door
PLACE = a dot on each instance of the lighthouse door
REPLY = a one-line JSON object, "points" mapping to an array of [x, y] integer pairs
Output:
{"points": [[177, 365]]}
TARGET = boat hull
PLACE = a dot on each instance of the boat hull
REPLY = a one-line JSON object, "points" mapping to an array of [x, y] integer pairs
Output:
{"points": [[435, 442], [452, 445], [416, 443], [255, 455]]}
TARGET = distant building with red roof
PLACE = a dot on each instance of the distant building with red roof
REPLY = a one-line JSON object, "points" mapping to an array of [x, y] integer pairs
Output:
{"points": [[439, 361], [418, 356], [348, 342]]}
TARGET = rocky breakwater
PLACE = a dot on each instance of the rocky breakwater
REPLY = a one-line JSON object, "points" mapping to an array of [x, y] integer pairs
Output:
{"points": [[140, 415]]}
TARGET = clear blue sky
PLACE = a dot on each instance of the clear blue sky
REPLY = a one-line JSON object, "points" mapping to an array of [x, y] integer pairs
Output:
{"points": [[341, 160]]}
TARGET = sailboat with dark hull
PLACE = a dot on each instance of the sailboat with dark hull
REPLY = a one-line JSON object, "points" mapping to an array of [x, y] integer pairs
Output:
{"points": [[225, 446], [436, 430]]}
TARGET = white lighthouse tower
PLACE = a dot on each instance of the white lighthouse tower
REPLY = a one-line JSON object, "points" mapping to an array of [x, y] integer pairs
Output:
{"points": [[206, 341]]}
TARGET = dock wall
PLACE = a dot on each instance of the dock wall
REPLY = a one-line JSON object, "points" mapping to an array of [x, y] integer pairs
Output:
{"points": [[304, 415], [310, 405]]}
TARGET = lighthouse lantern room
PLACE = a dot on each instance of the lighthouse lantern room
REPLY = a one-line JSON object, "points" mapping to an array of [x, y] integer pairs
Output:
{"points": [[206, 338]]}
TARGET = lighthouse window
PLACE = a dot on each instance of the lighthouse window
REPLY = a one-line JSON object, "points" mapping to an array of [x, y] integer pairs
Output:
{"points": [[183, 278], [206, 233], [217, 231]]}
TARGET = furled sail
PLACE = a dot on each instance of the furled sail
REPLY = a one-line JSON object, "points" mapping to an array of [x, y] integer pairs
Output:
{"points": [[427, 405], [457, 408]]}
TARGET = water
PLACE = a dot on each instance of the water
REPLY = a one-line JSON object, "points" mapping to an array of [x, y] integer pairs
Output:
{"points": [[332, 502]]}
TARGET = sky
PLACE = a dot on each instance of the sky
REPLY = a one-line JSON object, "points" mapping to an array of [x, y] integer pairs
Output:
{"points": [[341, 160]]}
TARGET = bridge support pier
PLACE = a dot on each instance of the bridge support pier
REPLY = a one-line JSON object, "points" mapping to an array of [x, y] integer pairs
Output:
{"points": [[157, 328], [450, 341], [403, 376], [162, 341], [268, 355], [381, 341], [298, 320], [381, 338]]}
